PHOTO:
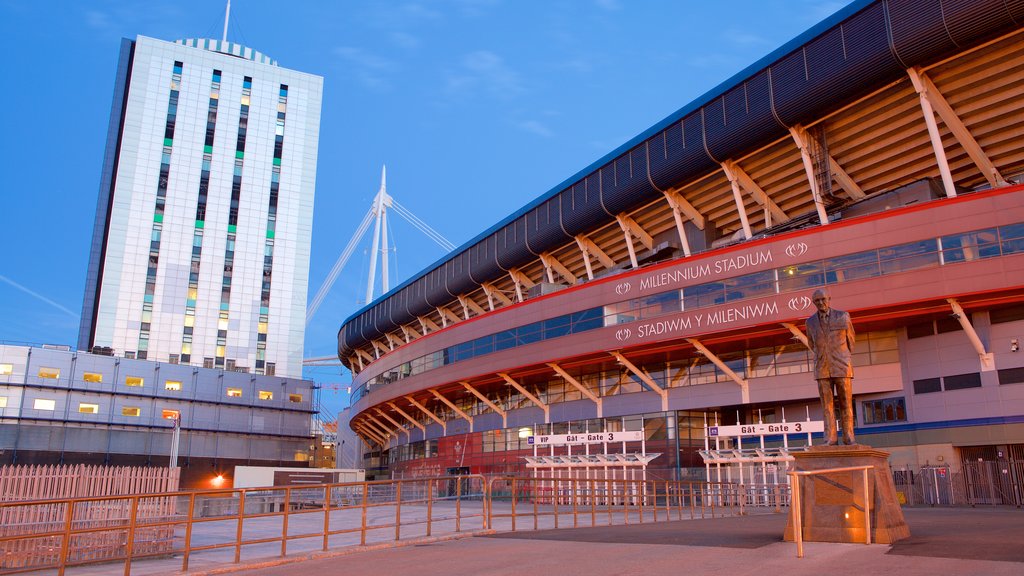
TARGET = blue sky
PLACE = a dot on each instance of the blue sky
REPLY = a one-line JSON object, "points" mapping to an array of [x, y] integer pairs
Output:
{"points": [[476, 106]]}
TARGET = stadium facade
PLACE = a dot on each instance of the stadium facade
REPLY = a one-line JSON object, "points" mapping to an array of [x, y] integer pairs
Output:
{"points": [[665, 287]]}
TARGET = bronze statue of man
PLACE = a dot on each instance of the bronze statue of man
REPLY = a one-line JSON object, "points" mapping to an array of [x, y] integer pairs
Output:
{"points": [[830, 337]]}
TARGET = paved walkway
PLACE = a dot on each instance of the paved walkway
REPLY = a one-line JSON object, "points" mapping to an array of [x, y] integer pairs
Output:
{"points": [[946, 541]]}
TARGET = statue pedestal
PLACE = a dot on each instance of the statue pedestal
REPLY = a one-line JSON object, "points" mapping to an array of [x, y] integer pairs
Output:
{"points": [[832, 504]]}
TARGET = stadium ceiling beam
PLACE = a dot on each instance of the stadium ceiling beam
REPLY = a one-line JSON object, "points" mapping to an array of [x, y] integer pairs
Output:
{"points": [[468, 305], [372, 426], [803, 142], [985, 357], [494, 294], [380, 347], [644, 377], [512, 382], [431, 415], [772, 213], [367, 434], [407, 331], [682, 375], [933, 133], [588, 247], [520, 280], [427, 325], [363, 355], [928, 91], [737, 196], [552, 265], [629, 229], [848, 184], [376, 436], [797, 334], [576, 383], [354, 361], [395, 341], [388, 433], [398, 427], [447, 315], [680, 207], [486, 400], [405, 415], [455, 408], [744, 386]]}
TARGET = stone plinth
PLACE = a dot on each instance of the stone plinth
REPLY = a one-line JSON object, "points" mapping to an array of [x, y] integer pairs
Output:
{"points": [[832, 504]]}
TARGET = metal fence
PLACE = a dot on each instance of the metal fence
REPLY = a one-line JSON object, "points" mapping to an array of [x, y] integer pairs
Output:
{"points": [[981, 483]]}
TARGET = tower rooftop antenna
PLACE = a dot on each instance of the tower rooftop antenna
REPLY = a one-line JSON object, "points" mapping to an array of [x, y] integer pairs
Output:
{"points": [[227, 15]]}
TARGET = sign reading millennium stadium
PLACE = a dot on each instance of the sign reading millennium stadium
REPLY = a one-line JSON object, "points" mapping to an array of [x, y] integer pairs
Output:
{"points": [[750, 312]]}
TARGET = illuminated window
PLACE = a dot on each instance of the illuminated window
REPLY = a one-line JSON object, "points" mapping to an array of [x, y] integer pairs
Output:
{"points": [[220, 351], [170, 414], [86, 408], [44, 404], [172, 385], [234, 392], [92, 377], [3, 401], [295, 397], [6, 369], [131, 411], [186, 348], [133, 381], [222, 324], [190, 321], [266, 395], [261, 327], [51, 373]]}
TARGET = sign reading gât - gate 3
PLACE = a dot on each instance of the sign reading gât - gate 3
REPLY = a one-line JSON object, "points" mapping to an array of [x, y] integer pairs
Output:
{"points": [[585, 438]]}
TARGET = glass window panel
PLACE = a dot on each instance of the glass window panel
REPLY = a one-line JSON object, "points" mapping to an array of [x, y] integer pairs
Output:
{"points": [[170, 414], [702, 295], [234, 392], [6, 369], [529, 333], [556, 327], [801, 276], [133, 411], [86, 408], [587, 320], [909, 256], [173, 385], [49, 373], [750, 285], [851, 267], [295, 398], [92, 377], [266, 395], [44, 404], [134, 381], [658, 304]]}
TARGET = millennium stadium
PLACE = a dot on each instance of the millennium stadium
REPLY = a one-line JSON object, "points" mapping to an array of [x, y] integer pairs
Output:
{"points": [[647, 313]]}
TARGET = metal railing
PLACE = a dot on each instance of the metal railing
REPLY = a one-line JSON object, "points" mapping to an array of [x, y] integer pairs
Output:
{"points": [[797, 503]]}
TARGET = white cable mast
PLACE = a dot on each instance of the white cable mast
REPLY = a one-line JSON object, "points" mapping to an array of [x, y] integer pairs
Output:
{"points": [[378, 215], [381, 203]]}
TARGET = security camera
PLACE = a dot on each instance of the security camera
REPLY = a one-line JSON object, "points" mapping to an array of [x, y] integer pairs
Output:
{"points": [[955, 315]]}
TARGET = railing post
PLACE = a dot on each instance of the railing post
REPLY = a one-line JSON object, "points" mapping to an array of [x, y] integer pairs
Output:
{"points": [[284, 520], [188, 532], [130, 543], [327, 516], [362, 530], [798, 532], [514, 495], [65, 545], [398, 512], [867, 508], [430, 503], [458, 504]]}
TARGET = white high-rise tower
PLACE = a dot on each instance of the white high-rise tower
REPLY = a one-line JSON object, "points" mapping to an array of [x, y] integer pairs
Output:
{"points": [[200, 251]]}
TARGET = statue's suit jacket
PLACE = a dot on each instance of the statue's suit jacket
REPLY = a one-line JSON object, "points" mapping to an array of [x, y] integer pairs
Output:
{"points": [[831, 342]]}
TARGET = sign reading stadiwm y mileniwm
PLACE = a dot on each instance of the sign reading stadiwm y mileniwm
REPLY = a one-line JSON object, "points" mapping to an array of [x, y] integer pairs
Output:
{"points": [[750, 313]]}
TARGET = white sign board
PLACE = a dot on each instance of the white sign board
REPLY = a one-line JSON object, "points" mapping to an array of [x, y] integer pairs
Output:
{"points": [[587, 438], [767, 429]]}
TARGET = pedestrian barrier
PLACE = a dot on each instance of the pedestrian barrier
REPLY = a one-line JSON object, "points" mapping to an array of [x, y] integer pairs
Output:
{"points": [[216, 527]]}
